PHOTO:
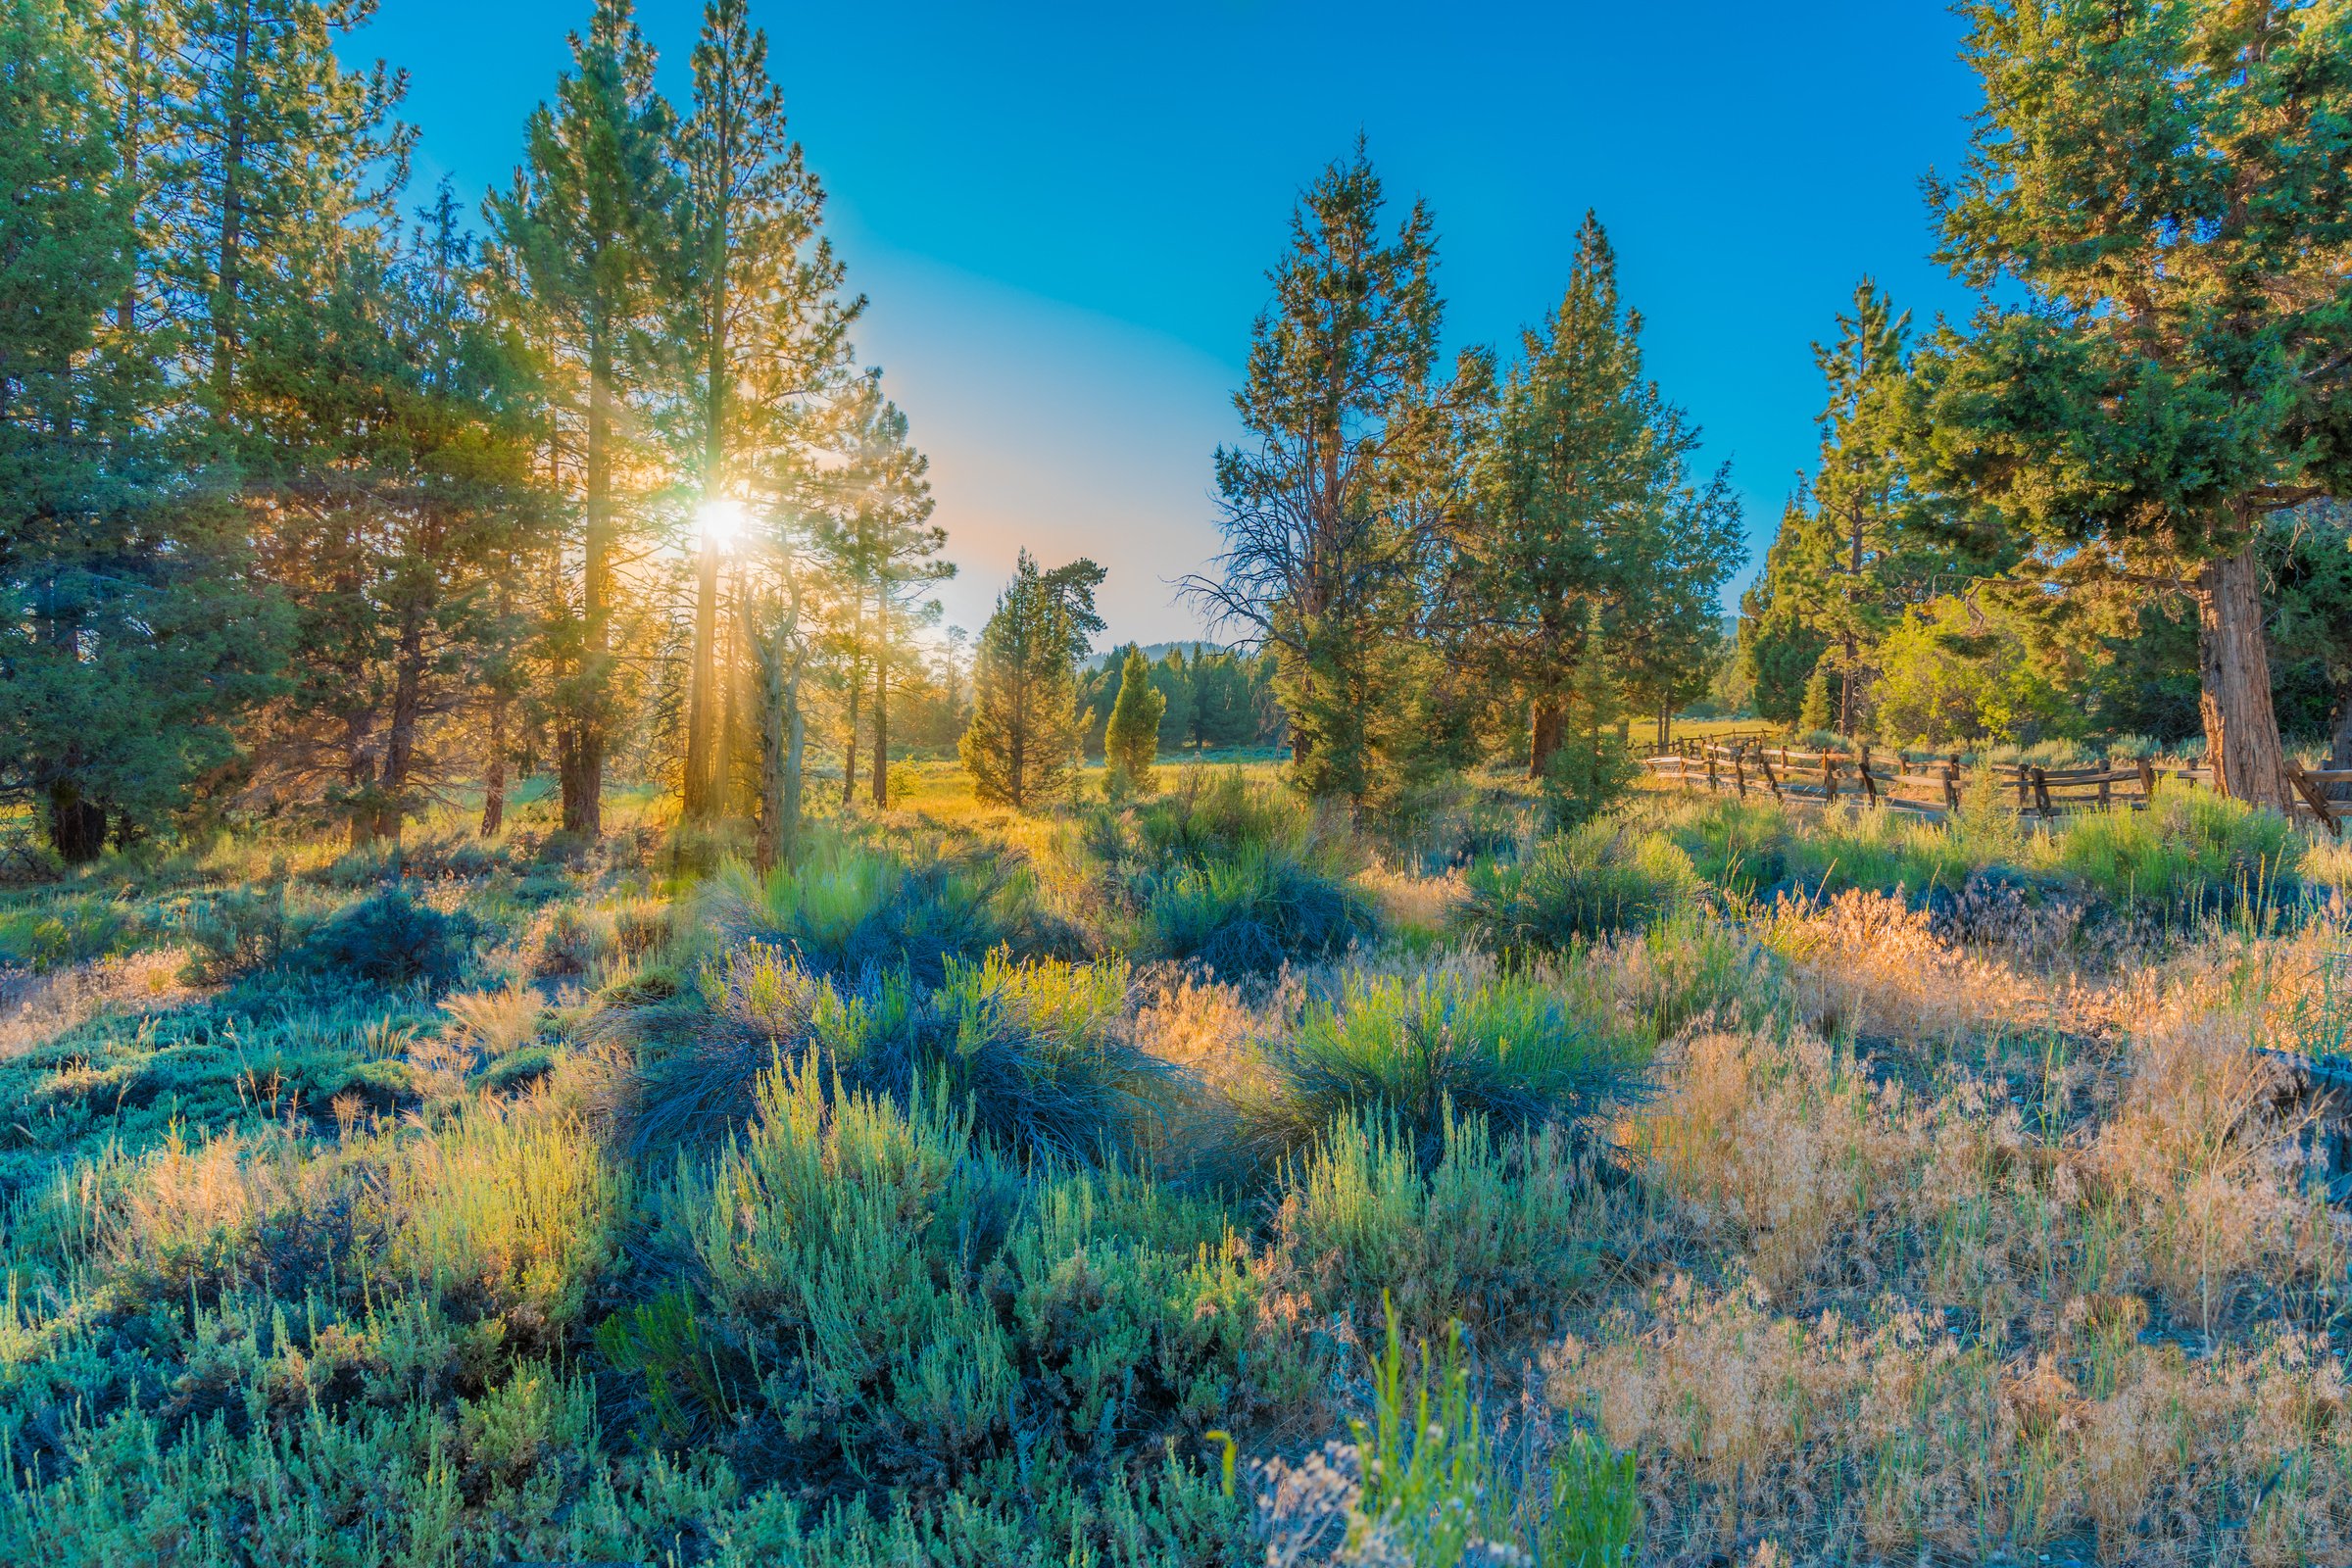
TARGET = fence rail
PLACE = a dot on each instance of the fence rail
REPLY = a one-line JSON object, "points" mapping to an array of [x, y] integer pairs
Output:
{"points": [[1930, 786]]}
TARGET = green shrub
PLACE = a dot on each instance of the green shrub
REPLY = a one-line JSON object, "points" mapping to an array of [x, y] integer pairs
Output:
{"points": [[1028, 1047], [1595, 1516], [663, 1341], [1419, 1051], [1574, 887], [1493, 1227], [394, 939], [1252, 913], [236, 932], [2192, 849], [66, 931], [845, 910], [1423, 1458]]}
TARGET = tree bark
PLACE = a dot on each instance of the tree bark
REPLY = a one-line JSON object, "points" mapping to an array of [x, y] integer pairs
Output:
{"points": [[580, 764], [730, 745], [1545, 730], [783, 743], [700, 786], [2233, 669], [400, 740], [494, 770], [76, 824], [881, 787], [848, 749]]}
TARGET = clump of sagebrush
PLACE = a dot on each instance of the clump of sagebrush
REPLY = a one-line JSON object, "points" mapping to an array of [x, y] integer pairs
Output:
{"points": [[66, 931], [237, 931], [1030, 1047], [2191, 850], [1499, 1224], [1232, 877], [885, 1300], [1587, 883], [845, 908], [1419, 1051]]}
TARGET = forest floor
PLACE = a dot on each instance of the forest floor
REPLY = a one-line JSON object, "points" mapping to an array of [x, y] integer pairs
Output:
{"points": [[977, 1191]]}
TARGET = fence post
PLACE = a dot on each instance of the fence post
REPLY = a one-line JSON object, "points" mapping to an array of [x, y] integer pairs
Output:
{"points": [[2147, 782], [1710, 770], [2041, 795], [2103, 772], [2313, 797], [1829, 778], [1764, 761], [2025, 782], [1951, 783], [1870, 786], [1740, 770]]}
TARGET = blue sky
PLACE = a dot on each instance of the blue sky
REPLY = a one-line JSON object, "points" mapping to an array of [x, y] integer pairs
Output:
{"points": [[1064, 214]]}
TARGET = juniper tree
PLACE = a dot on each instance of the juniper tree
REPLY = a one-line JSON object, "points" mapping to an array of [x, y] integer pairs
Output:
{"points": [[1587, 508], [2158, 208], [1334, 509], [1131, 739]]}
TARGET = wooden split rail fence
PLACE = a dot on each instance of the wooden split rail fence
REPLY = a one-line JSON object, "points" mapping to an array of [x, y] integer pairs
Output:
{"points": [[1930, 786]]}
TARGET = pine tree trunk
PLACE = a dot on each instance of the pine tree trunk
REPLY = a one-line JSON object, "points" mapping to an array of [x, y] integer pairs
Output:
{"points": [[700, 785], [494, 770], [724, 794], [769, 847], [848, 748], [881, 787], [580, 766], [408, 701], [2233, 667], [76, 824], [1846, 687], [1544, 731]]}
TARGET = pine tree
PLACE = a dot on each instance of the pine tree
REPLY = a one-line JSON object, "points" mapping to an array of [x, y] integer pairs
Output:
{"points": [[1815, 710], [399, 384], [1589, 769], [1334, 512], [275, 150], [760, 320], [1131, 739], [1022, 742], [1586, 507], [877, 535], [588, 229], [1172, 679], [129, 641], [1859, 544], [2159, 212]]}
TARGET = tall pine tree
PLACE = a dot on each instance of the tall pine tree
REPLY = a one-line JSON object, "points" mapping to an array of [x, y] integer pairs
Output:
{"points": [[589, 223]]}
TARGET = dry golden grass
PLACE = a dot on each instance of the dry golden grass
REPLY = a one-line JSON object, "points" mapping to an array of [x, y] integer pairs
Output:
{"points": [[1956, 1313], [38, 1008]]}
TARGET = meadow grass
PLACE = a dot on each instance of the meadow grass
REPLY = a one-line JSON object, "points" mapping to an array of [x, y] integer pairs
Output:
{"points": [[1182, 1178]]}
